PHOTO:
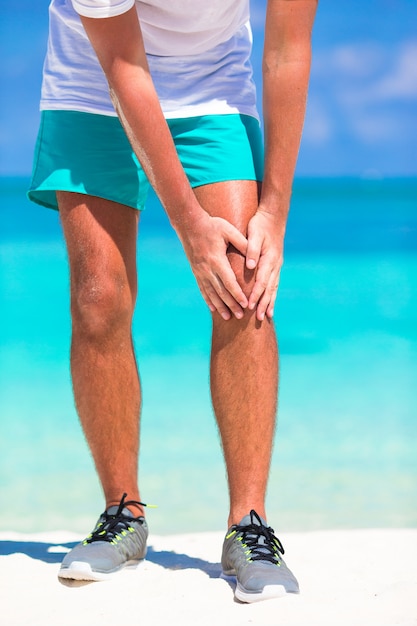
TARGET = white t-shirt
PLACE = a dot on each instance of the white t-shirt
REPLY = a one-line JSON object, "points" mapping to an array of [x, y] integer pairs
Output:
{"points": [[177, 27], [198, 53]]}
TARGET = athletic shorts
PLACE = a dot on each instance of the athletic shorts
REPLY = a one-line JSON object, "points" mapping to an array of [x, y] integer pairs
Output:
{"points": [[89, 153]]}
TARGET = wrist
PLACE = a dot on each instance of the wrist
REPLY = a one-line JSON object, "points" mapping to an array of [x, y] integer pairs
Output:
{"points": [[185, 216], [275, 217], [276, 208], [275, 196]]}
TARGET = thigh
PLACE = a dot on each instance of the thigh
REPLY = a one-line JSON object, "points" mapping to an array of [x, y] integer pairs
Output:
{"points": [[234, 200], [101, 241]]}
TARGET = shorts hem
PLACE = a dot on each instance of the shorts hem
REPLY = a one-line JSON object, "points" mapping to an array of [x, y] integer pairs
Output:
{"points": [[33, 196], [39, 196], [225, 179]]}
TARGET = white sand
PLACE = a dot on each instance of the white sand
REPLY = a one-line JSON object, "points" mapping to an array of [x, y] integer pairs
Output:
{"points": [[347, 578]]}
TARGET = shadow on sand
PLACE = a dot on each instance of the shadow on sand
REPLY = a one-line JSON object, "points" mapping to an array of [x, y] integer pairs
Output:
{"points": [[54, 553]]}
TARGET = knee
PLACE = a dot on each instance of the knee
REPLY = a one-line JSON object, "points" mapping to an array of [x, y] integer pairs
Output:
{"points": [[101, 307]]}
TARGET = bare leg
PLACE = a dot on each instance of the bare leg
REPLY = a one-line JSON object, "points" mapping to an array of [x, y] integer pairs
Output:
{"points": [[101, 242], [244, 369]]}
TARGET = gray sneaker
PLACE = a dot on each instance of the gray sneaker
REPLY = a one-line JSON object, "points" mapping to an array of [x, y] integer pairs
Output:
{"points": [[117, 541], [252, 554]]}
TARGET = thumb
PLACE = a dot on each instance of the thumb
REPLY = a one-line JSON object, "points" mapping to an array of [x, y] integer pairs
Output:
{"points": [[236, 238]]}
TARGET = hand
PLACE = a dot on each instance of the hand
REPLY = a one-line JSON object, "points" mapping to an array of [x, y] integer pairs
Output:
{"points": [[205, 243], [265, 253]]}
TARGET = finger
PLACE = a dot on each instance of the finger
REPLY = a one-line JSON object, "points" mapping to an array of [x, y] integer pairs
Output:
{"points": [[222, 299], [217, 304], [271, 305], [254, 248], [231, 303], [230, 290], [206, 297], [266, 283], [223, 293], [270, 309], [263, 305], [267, 300], [261, 283]]}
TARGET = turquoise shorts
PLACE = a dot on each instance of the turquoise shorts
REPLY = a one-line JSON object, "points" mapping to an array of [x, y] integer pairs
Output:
{"points": [[89, 153]]}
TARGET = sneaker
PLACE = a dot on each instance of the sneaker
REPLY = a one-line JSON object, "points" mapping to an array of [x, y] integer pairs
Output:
{"points": [[252, 554], [118, 540]]}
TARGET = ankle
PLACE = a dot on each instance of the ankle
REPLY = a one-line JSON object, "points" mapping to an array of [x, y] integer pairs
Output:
{"points": [[131, 502], [238, 513], [137, 510]]}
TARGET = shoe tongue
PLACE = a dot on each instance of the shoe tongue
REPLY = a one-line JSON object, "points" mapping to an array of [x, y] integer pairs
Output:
{"points": [[112, 510], [251, 519]]}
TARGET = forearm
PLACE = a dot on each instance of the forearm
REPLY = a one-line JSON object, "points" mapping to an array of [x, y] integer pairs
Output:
{"points": [[152, 143], [285, 96], [286, 70]]}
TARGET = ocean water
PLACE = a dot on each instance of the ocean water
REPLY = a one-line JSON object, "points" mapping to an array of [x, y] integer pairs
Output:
{"points": [[345, 451]]}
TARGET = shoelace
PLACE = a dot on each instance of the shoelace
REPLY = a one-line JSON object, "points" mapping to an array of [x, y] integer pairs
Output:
{"points": [[260, 540], [113, 524]]}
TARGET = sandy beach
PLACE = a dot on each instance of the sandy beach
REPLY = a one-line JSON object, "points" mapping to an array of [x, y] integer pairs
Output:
{"points": [[347, 577]]}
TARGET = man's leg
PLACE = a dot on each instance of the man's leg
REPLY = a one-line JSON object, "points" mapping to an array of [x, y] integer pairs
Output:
{"points": [[244, 382], [244, 368], [101, 242]]}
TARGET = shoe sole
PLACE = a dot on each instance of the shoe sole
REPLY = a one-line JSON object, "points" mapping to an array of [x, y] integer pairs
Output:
{"points": [[80, 570], [269, 592]]}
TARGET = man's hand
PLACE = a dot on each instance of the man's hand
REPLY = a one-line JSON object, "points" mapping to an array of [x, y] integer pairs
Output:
{"points": [[205, 242], [265, 253]]}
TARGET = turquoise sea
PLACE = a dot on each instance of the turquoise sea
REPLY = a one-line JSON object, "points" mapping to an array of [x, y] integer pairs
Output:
{"points": [[346, 445]]}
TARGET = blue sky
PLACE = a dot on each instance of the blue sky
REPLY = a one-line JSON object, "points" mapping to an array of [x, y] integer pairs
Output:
{"points": [[362, 111]]}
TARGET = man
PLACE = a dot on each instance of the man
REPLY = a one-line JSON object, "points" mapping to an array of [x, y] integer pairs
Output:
{"points": [[178, 76]]}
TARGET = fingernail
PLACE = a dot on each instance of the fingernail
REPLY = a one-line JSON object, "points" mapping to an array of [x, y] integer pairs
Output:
{"points": [[225, 316], [251, 264], [239, 315]]}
